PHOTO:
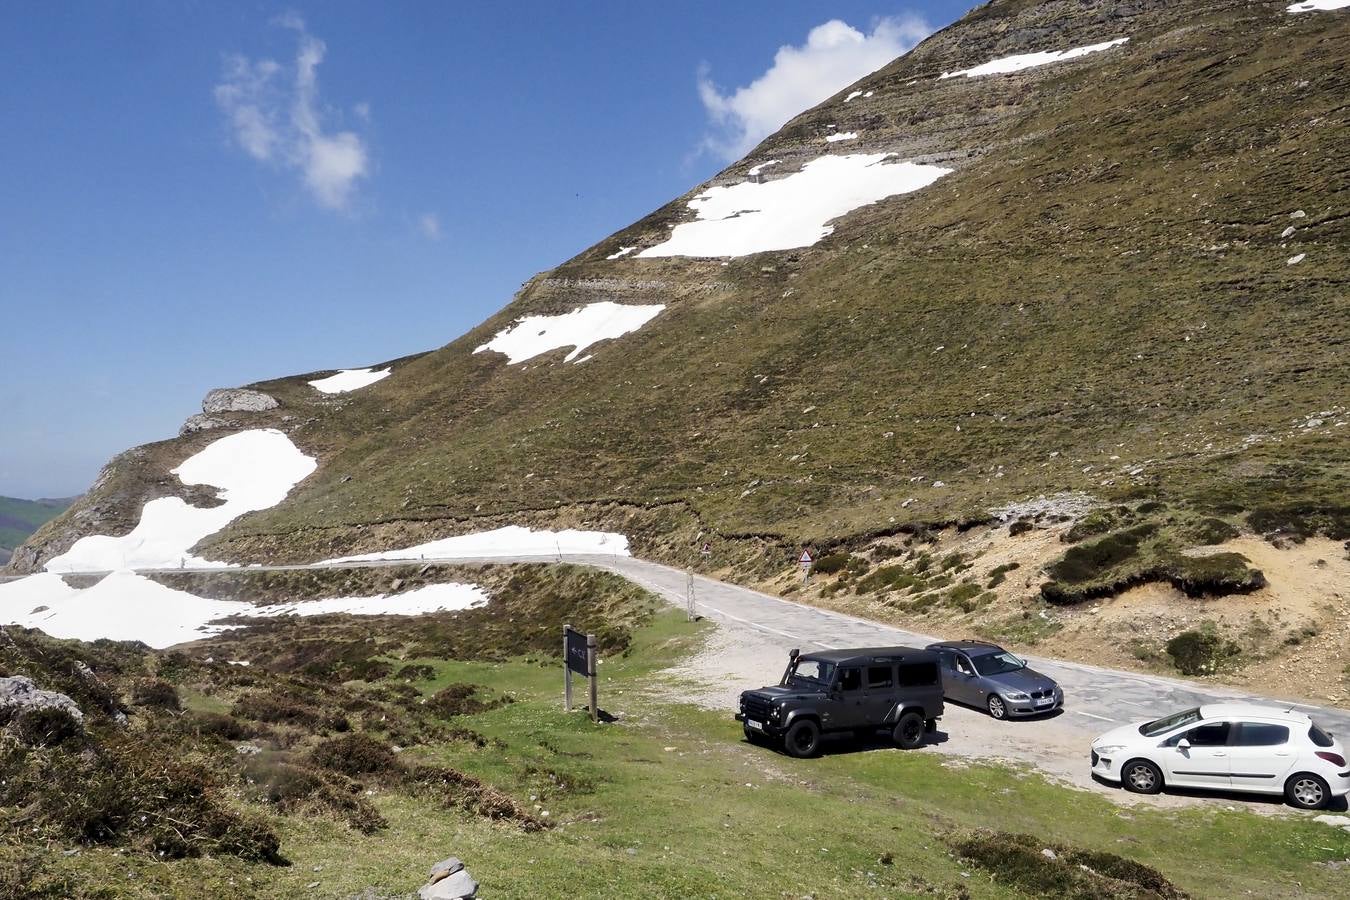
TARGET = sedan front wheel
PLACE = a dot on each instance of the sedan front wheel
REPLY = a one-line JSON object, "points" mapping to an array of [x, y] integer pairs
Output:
{"points": [[997, 708]]}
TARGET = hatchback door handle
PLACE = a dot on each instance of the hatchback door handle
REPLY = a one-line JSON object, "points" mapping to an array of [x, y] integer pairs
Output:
{"points": [[1220, 754]]}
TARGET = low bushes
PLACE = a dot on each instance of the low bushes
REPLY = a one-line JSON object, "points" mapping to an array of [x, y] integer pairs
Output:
{"points": [[1202, 651], [1044, 869]]}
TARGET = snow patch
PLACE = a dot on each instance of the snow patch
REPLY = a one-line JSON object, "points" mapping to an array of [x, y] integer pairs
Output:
{"points": [[623, 251], [349, 380], [125, 606], [790, 212], [580, 328], [852, 95], [1022, 61], [1316, 5], [842, 136], [755, 170], [1296, 259], [253, 469], [513, 540]]}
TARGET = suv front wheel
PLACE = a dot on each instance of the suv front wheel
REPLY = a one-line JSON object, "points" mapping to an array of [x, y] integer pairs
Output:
{"points": [[908, 732], [802, 739]]}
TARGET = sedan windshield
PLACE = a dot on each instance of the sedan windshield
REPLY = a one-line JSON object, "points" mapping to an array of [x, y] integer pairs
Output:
{"points": [[811, 671], [997, 663], [1167, 723]]}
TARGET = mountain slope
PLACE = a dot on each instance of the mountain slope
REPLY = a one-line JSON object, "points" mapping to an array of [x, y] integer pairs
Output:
{"points": [[1103, 296]]}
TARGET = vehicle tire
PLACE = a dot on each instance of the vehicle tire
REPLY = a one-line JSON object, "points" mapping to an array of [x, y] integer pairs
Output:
{"points": [[1139, 776], [908, 732], [802, 739], [930, 725], [998, 707], [1307, 791]]}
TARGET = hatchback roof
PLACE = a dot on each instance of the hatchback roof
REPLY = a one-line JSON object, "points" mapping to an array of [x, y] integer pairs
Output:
{"points": [[864, 655], [1252, 711]]}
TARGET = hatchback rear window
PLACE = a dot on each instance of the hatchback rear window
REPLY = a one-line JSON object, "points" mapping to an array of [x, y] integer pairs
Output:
{"points": [[1319, 737], [1258, 734]]}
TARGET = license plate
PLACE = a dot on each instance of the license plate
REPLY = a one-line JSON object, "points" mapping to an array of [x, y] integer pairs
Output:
{"points": [[751, 723], [1049, 701]]}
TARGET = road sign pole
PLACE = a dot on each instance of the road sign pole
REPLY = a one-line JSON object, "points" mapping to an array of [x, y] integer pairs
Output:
{"points": [[590, 668], [567, 674], [689, 594]]}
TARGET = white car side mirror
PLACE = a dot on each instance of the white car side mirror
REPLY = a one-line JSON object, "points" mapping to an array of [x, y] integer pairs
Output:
{"points": [[1183, 744]]}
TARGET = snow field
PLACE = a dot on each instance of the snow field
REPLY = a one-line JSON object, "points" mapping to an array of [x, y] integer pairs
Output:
{"points": [[1021, 61], [842, 136], [125, 606], [790, 212], [579, 329], [349, 380], [1317, 5], [253, 469], [512, 540]]}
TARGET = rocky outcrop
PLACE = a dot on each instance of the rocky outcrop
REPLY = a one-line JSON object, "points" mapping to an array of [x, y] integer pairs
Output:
{"points": [[201, 422], [222, 400], [36, 717]]}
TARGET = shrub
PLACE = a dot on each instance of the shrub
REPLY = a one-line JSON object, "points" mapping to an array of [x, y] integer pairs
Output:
{"points": [[292, 788], [1021, 526], [1202, 651], [1302, 520], [830, 564], [1098, 521], [355, 754], [963, 594], [1086, 562], [155, 692], [1208, 532], [462, 700], [218, 724], [415, 672], [998, 574], [1071, 872]]}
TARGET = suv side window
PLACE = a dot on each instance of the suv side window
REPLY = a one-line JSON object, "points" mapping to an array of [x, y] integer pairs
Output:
{"points": [[921, 674], [1256, 734], [850, 679], [880, 677], [1215, 734]]}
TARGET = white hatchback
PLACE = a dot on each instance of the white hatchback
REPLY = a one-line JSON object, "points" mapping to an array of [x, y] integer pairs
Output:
{"points": [[1227, 747]]}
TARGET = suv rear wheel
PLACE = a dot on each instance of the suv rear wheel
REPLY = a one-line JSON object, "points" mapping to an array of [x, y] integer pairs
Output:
{"points": [[802, 739], [908, 732]]}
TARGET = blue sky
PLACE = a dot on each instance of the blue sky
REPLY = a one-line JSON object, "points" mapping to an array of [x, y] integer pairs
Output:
{"points": [[207, 194]]}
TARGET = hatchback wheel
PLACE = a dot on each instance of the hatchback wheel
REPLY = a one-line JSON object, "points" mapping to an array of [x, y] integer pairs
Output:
{"points": [[1139, 776], [908, 732], [1307, 791], [802, 739], [997, 708]]}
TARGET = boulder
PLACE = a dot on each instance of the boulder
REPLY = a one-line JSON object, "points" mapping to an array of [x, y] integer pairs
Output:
{"points": [[37, 717], [222, 400], [200, 422], [448, 880]]}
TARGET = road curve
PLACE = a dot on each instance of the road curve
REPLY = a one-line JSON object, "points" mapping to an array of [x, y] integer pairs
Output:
{"points": [[1108, 697]]}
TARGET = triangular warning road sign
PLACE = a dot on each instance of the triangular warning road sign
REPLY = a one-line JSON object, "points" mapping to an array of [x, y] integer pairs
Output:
{"points": [[805, 558]]}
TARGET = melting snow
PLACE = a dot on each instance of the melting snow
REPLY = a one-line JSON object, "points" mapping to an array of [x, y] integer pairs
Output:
{"points": [[1314, 5], [513, 540], [739, 219], [1295, 260], [755, 170], [623, 251], [253, 469], [578, 329], [852, 95], [125, 606], [1031, 60], [349, 380], [842, 136]]}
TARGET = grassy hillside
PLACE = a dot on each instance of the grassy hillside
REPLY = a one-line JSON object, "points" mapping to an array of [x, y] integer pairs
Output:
{"points": [[20, 518], [281, 779], [1096, 300]]}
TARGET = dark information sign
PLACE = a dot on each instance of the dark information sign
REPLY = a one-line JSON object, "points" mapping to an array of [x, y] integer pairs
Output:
{"points": [[576, 652]]}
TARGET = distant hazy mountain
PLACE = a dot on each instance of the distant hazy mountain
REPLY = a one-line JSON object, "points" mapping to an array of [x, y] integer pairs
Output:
{"points": [[20, 518]]}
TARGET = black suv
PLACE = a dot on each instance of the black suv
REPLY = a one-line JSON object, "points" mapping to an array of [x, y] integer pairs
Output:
{"points": [[859, 691]]}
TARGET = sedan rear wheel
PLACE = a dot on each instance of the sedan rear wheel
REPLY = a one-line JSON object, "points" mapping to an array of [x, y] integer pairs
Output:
{"points": [[1139, 776], [1307, 791], [997, 708]]}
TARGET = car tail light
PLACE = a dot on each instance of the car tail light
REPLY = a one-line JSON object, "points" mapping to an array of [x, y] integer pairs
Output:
{"points": [[1334, 758]]}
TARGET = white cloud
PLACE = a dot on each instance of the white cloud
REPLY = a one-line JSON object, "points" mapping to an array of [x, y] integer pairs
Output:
{"points": [[279, 119], [834, 56], [430, 225]]}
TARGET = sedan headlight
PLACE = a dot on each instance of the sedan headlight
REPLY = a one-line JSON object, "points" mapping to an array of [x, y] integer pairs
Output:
{"points": [[1017, 695]]}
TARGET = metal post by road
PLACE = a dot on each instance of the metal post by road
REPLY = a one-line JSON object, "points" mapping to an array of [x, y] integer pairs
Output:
{"points": [[590, 668], [567, 673], [689, 594]]}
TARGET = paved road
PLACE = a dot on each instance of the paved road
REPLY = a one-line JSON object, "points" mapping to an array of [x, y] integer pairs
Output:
{"points": [[1106, 697]]}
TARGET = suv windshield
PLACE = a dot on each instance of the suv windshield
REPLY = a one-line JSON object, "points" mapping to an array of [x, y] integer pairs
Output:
{"points": [[811, 671], [1167, 723], [997, 663]]}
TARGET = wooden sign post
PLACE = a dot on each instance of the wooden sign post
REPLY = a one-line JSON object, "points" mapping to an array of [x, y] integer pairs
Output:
{"points": [[579, 655]]}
